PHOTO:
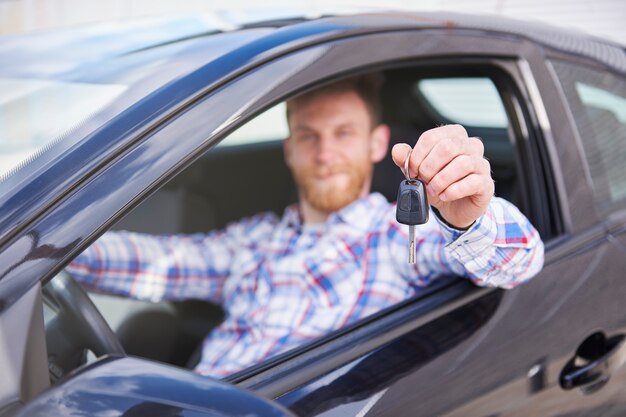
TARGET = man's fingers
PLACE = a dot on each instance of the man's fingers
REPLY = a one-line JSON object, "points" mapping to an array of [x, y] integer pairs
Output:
{"points": [[476, 146], [442, 154], [442, 144], [435, 149], [459, 168], [399, 153], [429, 138], [472, 185], [425, 144]]}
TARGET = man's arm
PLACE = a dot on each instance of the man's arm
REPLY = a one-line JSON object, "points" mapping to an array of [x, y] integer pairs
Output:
{"points": [[164, 267], [478, 235], [501, 248]]}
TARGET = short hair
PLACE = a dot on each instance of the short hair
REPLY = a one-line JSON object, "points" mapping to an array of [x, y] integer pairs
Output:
{"points": [[366, 86]]}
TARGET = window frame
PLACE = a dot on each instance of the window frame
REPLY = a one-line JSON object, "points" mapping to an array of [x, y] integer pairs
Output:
{"points": [[504, 82], [275, 376]]}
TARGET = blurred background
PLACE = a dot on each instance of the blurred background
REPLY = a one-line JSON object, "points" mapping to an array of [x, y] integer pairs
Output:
{"points": [[606, 18]]}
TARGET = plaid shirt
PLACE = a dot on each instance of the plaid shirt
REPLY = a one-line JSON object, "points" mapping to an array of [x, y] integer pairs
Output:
{"points": [[283, 283]]}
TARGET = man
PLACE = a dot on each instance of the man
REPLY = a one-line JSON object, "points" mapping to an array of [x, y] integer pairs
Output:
{"points": [[337, 256]]}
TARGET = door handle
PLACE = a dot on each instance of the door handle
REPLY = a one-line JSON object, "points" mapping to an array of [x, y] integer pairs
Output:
{"points": [[595, 360]]}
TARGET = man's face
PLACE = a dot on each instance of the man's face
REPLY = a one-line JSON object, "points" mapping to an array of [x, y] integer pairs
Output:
{"points": [[332, 148]]}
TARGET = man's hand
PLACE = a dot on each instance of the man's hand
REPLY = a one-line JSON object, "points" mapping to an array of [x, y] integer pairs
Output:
{"points": [[457, 176]]}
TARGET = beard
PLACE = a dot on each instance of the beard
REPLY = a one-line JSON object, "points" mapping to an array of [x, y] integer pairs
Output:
{"points": [[332, 194]]}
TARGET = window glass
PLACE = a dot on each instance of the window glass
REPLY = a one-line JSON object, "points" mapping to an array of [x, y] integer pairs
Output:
{"points": [[47, 91], [268, 126], [467, 101], [596, 97], [33, 112], [597, 101]]}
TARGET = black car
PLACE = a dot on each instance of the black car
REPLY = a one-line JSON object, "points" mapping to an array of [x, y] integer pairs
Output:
{"points": [[146, 127]]}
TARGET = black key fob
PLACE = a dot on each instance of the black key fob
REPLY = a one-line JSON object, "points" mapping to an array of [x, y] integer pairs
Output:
{"points": [[412, 208]]}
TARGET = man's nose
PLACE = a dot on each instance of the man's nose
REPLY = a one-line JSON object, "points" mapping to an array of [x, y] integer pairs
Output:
{"points": [[326, 149]]}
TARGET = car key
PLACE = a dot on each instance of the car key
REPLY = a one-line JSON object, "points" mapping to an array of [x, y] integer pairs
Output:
{"points": [[412, 206]]}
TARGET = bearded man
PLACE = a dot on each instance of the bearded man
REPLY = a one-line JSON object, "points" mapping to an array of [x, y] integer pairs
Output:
{"points": [[339, 254]]}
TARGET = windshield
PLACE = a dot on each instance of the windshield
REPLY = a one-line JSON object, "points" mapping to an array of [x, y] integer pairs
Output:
{"points": [[53, 83], [34, 112]]}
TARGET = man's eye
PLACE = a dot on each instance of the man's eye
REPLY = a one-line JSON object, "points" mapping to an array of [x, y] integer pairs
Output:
{"points": [[344, 133], [306, 136]]}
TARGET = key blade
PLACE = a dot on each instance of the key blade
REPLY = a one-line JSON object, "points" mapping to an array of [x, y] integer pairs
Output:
{"points": [[412, 244]]}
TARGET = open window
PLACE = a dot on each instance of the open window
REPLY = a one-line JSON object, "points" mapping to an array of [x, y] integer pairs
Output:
{"points": [[413, 100], [204, 197]]}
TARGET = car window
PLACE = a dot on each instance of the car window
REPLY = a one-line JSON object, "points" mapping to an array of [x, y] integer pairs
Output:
{"points": [[204, 197], [597, 101], [33, 112], [468, 101], [475, 103], [268, 126], [47, 92]]}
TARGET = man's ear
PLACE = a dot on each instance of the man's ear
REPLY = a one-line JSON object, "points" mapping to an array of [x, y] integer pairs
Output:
{"points": [[380, 143], [287, 150]]}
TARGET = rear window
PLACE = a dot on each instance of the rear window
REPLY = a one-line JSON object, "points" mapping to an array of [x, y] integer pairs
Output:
{"points": [[597, 101]]}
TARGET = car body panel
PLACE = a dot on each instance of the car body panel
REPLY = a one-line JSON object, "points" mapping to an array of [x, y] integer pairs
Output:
{"points": [[134, 387], [479, 375]]}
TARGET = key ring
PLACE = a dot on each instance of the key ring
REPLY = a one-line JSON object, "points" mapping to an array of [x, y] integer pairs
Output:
{"points": [[405, 171]]}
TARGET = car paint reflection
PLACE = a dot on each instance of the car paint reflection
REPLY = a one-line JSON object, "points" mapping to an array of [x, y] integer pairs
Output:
{"points": [[126, 386]]}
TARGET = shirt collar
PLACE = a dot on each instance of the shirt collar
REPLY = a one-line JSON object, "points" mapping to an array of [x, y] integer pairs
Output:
{"points": [[356, 214]]}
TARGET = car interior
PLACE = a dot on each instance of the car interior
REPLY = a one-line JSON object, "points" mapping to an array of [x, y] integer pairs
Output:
{"points": [[201, 198]]}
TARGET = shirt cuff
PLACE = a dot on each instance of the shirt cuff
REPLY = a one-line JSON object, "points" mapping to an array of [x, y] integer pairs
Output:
{"points": [[466, 245]]}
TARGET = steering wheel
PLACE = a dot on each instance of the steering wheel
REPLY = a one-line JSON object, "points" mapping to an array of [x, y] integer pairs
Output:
{"points": [[77, 326]]}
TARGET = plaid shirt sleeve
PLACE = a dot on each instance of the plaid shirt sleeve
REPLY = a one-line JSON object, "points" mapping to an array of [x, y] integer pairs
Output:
{"points": [[167, 267], [502, 248]]}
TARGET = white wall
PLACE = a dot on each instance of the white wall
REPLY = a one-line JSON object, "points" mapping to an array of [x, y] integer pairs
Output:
{"points": [[606, 18]]}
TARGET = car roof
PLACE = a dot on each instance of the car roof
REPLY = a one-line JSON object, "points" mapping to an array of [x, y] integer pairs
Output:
{"points": [[23, 53]]}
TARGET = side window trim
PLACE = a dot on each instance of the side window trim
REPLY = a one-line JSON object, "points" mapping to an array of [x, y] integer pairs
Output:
{"points": [[539, 152]]}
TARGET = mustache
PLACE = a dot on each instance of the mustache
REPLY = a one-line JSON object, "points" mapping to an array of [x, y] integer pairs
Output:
{"points": [[323, 170]]}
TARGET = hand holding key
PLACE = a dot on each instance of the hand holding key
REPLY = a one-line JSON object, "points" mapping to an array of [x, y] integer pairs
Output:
{"points": [[412, 205], [456, 174]]}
